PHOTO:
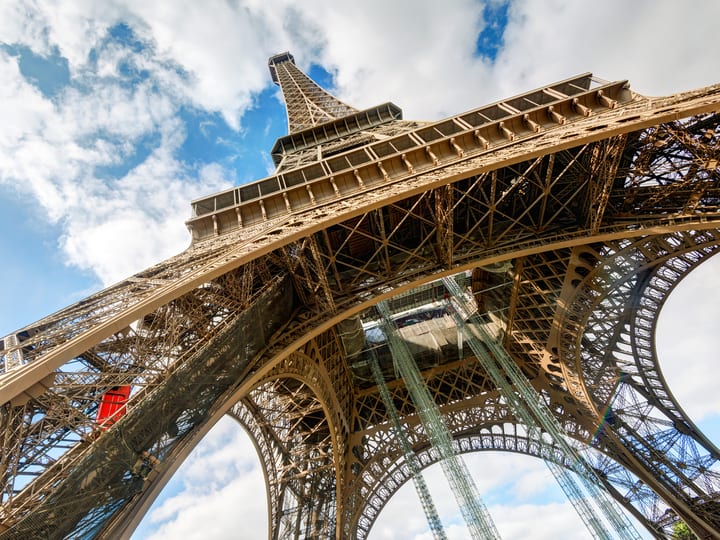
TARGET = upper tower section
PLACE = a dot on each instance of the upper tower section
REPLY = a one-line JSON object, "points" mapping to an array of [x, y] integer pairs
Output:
{"points": [[319, 124], [335, 152], [307, 104]]}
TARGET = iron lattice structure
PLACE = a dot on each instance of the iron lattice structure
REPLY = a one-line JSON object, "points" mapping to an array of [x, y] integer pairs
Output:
{"points": [[573, 210]]}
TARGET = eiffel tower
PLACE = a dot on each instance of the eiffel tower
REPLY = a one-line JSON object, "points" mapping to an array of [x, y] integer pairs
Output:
{"points": [[566, 215]]}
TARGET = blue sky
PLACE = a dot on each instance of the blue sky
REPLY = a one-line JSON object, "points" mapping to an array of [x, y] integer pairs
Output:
{"points": [[115, 116]]}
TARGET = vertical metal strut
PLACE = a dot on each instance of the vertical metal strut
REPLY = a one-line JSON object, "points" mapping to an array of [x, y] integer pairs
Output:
{"points": [[529, 407], [411, 458], [474, 512]]}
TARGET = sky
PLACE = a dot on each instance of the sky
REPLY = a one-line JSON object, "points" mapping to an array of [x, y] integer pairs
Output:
{"points": [[115, 114]]}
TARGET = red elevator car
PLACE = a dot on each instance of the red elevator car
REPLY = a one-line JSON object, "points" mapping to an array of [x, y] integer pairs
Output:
{"points": [[112, 406]]}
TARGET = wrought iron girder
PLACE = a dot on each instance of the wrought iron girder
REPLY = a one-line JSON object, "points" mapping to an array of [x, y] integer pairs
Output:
{"points": [[208, 259], [84, 475], [366, 247], [681, 157], [296, 447], [306, 103], [149, 325], [63, 411], [516, 201], [288, 159], [383, 242], [444, 220], [450, 385], [610, 322], [268, 448], [306, 267], [317, 404], [604, 164]]}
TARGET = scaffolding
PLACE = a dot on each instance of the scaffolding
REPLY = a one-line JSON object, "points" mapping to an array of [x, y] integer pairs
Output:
{"points": [[411, 458], [474, 512], [530, 409]]}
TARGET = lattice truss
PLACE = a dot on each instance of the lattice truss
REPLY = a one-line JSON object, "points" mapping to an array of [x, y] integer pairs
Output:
{"points": [[573, 239], [617, 307], [287, 417], [306, 103]]}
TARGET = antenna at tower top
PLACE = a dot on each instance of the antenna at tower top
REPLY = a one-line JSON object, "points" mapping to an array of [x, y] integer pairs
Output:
{"points": [[307, 104]]}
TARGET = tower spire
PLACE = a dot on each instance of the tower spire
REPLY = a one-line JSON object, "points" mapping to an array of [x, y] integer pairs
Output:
{"points": [[307, 104]]}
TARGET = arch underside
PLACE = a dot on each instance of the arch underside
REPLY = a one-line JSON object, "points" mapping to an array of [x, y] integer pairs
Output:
{"points": [[385, 471], [676, 453], [521, 230], [287, 422], [614, 313], [491, 426]]}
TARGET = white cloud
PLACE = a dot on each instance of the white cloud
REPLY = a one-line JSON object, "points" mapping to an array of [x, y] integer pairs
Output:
{"points": [[213, 56], [219, 492], [516, 519], [54, 151], [539, 522], [216, 43], [411, 46], [22, 106], [661, 47], [73, 27], [688, 340]]}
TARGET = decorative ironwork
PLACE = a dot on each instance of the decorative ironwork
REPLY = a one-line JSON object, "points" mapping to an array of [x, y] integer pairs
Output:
{"points": [[576, 208]]}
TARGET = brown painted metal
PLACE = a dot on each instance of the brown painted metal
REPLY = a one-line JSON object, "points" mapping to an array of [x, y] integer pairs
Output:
{"points": [[576, 207]]}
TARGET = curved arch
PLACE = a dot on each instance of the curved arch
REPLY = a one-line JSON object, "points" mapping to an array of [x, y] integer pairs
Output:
{"points": [[608, 343], [299, 336], [297, 447], [498, 438], [243, 414], [390, 474], [265, 439]]}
